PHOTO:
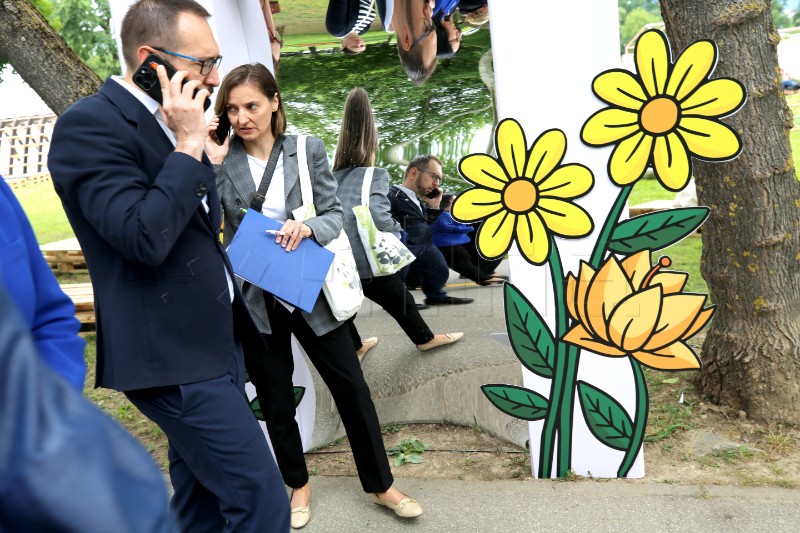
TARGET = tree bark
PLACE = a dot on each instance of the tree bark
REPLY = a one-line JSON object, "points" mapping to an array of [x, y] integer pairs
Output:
{"points": [[751, 249], [42, 57]]}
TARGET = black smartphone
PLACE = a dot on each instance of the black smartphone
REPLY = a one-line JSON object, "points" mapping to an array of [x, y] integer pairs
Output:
{"points": [[434, 193], [224, 128], [146, 77]]}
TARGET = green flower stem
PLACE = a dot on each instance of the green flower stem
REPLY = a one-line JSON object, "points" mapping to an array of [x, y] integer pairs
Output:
{"points": [[565, 412], [548, 443], [639, 420], [601, 246]]}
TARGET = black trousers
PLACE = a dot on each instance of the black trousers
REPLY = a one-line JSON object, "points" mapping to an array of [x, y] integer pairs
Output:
{"points": [[219, 463], [335, 359], [473, 267], [390, 293]]}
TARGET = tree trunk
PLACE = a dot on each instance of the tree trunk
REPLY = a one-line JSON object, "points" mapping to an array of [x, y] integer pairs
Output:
{"points": [[42, 57], [751, 244]]}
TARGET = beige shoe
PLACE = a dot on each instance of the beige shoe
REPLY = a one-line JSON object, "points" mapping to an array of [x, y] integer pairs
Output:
{"points": [[366, 345], [405, 508], [449, 338], [300, 515]]}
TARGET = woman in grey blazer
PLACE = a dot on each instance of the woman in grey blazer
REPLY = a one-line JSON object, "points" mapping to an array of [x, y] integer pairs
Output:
{"points": [[249, 97], [355, 152]]}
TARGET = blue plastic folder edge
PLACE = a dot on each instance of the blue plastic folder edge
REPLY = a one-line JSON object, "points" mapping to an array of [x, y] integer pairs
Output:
{"points": [[295, 277]]}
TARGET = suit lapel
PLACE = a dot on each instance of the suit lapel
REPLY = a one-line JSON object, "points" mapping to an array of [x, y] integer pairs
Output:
{"points": [[240, 176], [291, 174], [136, 113]]}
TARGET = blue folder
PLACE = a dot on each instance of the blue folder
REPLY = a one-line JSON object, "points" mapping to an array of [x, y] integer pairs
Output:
{"points": [[295, 277]]}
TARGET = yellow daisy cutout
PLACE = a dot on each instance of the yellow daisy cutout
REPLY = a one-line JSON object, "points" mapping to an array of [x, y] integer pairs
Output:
{"points": [[665, 113], [524, 195]]}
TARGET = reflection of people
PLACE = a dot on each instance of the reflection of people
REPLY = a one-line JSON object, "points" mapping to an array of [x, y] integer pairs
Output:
{"points": [[448, 37], [355, 152], [172, 326], [452, 239], [275, 42], [412, 207], [64, 465], [416, 39], [349, 19], [48, 312], [256, 162]]}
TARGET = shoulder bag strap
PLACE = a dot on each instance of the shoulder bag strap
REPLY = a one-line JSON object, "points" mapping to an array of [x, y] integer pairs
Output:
{"points": [[258, 200], [365, 186], [302, 166]]}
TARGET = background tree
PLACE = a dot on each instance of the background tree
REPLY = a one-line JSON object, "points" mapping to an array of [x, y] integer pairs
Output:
{"points": [[780, 15], [633, 15], [47, 9], [84, 24], [751, 241], [42, 57]]}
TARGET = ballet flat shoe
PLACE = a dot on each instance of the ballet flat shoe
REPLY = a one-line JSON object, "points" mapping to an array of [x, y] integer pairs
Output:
{"points": [[406, 508]]}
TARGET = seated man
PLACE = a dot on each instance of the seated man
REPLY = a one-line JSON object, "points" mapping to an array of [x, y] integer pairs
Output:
{"points": [[422, 177], [452, 239]]}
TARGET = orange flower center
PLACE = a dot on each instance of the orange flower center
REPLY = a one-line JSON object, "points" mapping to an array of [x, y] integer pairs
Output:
{"points": [[520, 195], [663, 262], [659, 115]]}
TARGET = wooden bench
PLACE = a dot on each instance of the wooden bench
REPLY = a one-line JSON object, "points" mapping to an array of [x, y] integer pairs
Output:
{"points": [[82, 295], [64, 256], [649, 207]]}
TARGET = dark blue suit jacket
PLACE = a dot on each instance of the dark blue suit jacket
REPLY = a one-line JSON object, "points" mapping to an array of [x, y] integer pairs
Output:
{"points": [[164, 315], [411, 217]]}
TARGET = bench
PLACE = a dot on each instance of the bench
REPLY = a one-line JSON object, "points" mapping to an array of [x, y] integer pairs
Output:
{"points": [[82, 295], [64, 256], [649, 207]]}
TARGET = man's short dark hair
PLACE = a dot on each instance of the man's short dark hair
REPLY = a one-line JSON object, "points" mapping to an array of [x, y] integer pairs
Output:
{"points": [[412, 63], [444, 48], [153, 23], [421, 161]]}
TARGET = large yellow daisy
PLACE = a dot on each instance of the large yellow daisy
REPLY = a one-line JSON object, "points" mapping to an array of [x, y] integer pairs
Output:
{"points": [[524, 194], [664, 113]]}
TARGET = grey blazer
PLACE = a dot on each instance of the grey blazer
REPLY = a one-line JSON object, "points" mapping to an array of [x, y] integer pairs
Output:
{"points": [[236, 190], [350, 181]]}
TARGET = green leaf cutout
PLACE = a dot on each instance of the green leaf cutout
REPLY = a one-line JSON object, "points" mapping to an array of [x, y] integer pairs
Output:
{"points": [[657, 230], [255, 405], [299, 392], [606, 418], [530, 339], [517, 401]]}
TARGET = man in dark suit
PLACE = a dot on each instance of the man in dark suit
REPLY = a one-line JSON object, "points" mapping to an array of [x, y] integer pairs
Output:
{"points": [[412, 207], [173, 330]]}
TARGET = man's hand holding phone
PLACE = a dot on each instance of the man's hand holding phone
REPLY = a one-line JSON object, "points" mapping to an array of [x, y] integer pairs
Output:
{"points": [[183, 111]]}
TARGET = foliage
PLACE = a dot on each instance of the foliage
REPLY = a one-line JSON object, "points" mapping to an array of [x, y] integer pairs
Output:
{"points": [[633, 15], [85, 27], [408, 451], [780, 15]]}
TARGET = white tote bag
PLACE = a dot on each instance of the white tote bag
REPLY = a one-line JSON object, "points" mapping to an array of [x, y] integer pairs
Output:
{"points": [[385, 253], [342, 287]]}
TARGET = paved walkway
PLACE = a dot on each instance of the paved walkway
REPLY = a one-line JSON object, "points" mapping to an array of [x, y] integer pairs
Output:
{"points": [[339, 505]]}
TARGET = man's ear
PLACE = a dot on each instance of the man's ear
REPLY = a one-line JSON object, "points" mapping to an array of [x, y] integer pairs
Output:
{"points": [[404, 39]]}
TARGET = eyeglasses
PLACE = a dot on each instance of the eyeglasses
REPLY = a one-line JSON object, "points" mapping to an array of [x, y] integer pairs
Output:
{"points": [[429, 28], [436, 177], [206, 65]]}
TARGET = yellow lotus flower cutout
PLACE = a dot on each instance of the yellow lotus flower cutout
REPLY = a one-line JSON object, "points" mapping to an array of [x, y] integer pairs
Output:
{"points": [[633, 309], [524, 195], [664, 113]]}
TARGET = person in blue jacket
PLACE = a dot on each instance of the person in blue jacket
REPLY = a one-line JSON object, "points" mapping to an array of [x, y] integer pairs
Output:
{"points": [[452, 238], [49, 314]]}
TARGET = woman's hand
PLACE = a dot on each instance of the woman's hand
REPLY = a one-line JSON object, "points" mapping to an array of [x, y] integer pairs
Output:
{"points": [[216, 153], [291, 233]]}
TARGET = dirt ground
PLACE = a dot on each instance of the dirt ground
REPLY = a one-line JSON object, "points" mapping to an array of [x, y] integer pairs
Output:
{"points": [[755, 455]]}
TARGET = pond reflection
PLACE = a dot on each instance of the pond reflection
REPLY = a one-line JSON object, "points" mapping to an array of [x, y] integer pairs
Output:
{"points": [[441, 117]]}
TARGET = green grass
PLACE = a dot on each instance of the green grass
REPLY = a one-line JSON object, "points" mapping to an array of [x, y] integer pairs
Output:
{"points": [[43, 207]]}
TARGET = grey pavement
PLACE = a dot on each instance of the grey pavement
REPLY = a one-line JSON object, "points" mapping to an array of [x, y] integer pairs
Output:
{"points": [[339, 505], [443, 385]]}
